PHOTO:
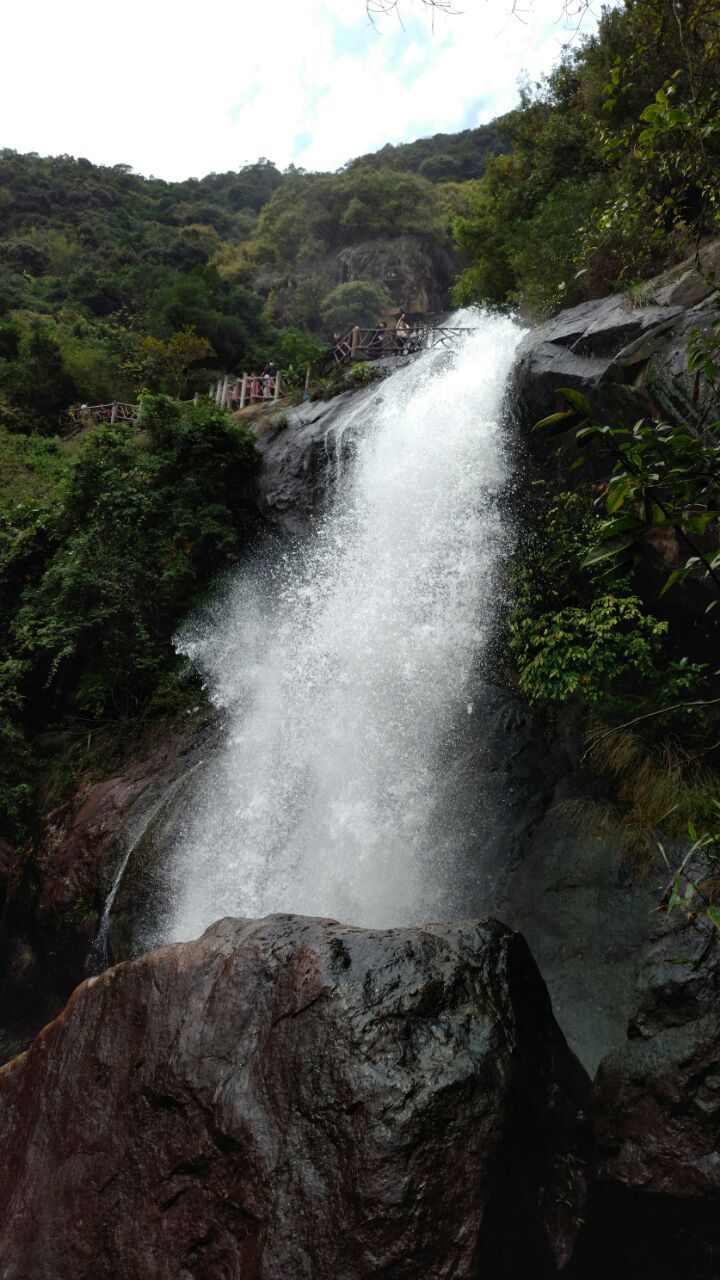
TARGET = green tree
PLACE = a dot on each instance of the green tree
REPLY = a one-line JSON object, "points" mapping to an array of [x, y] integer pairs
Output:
{"points": [[357, 302], [166, 361], [38, 380]]}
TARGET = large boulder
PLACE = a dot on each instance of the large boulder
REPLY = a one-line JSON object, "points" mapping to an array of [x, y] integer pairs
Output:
{"points": [[295, 1098]]}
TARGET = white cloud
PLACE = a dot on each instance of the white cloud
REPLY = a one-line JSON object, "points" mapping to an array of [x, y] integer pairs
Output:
{"points": [[178, 89]]}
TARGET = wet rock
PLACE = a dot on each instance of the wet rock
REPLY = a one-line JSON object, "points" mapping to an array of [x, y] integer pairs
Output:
{"points": [[657, 1097], [58, 888], [587, 918], [294, 1098], [298, 449]]}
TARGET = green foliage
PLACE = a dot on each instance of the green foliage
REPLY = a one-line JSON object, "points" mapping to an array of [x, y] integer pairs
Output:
{"points": [[664, 476], [456, 156], [360, 302], [37, 380], [587, 651], [100, 267], [572, 635], [313, 214], [614, 162], [168, 361], [101, 553], [299, 350], [147, 517]]}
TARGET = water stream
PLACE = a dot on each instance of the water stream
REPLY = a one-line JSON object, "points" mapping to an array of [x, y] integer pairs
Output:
{"points": [[351, 666]]}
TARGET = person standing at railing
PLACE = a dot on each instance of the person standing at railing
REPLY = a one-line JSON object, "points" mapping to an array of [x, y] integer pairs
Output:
{"points": [[402, 332]]}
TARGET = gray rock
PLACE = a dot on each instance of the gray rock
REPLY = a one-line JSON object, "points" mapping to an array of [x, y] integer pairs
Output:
{"points": [[629, 361], [299, 450], [294, 1098], [657, 1097], [587, 919]]}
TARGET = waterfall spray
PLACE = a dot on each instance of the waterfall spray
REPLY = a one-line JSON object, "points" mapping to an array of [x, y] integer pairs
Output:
{"points": [[349, 668]]}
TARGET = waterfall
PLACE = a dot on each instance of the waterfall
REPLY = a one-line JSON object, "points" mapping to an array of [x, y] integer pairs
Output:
{"points": [[351, 667]]}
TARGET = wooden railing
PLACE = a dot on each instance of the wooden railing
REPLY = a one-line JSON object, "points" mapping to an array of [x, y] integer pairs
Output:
{"points": [[378, 342], [81, 415], [237, 392], [231, 391]]}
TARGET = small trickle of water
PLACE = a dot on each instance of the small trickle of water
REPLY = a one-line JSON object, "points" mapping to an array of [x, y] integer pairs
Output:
{"points": [[350, 668]]}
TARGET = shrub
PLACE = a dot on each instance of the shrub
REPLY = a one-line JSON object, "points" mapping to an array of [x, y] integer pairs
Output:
{"points": [[361, 302]]}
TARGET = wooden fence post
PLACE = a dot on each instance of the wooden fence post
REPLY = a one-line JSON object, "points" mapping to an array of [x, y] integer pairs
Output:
{"points": [[355, 341], [243, 391], [114, 411], [277, 385]]}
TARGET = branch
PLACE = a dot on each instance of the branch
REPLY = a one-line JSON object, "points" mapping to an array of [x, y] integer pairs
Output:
{"points": [[381, 8], [568, 8], [710, 702]]}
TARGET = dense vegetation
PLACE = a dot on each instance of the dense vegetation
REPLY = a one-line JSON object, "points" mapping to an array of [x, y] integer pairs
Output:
{"points": [[106, 280], [611, 175], [446, 157], [104, 542], [613, 167]]}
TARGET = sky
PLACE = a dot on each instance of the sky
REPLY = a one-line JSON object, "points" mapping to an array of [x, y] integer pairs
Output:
{"points": [[179, 89]]}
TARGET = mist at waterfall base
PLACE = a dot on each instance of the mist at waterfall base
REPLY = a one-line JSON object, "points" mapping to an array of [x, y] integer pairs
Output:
{"points": [[352, 665]]}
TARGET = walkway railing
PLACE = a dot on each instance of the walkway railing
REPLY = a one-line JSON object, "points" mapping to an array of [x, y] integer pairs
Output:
{"points": [[232, 391], [378, 342], [80, 415], [251, 388]]}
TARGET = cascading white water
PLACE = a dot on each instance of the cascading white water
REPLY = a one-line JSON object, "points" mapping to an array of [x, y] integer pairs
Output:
{"points": [[350, 668]]}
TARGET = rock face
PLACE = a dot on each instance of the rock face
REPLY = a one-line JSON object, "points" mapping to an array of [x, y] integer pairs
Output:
{"points": [[416, 270], [630, 361], [416, 273], [294, 1098], [657, 1097], [57, 891], [652, 1209], [299, 452], [586, 919]]}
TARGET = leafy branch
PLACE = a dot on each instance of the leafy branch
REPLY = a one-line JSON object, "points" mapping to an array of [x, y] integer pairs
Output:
{"points": [[665, 476]]}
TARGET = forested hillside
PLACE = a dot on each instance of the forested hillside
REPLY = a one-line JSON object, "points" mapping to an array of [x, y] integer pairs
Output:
{"points": [[613, 169]]}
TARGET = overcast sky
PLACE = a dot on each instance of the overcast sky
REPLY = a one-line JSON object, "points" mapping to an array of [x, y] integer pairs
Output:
{"points": [[180, 89]]}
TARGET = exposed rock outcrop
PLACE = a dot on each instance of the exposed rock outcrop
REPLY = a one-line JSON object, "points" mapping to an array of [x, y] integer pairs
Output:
{"points": [[652, 1210], [631, 361], [657, 1097], [299, 449], [294, 1098], [417, 271], [58, 889]]}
